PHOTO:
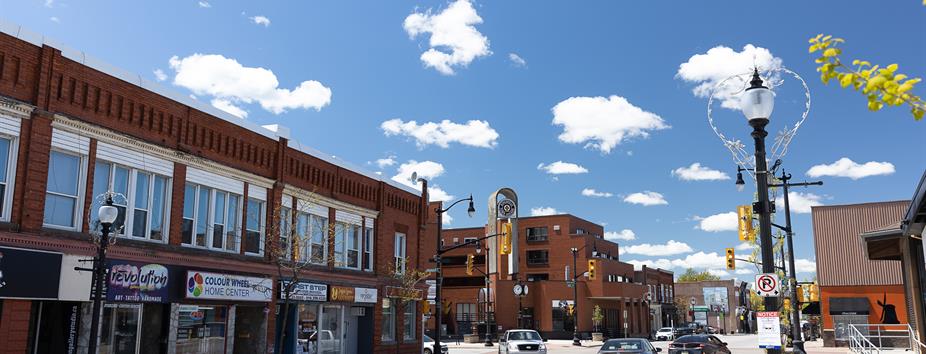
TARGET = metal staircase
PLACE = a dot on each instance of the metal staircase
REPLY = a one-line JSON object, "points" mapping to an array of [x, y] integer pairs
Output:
{"points": [[879, 338]]}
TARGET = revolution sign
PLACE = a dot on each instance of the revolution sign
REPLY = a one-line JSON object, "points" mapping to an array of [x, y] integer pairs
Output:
{"points": [[216, 286]]}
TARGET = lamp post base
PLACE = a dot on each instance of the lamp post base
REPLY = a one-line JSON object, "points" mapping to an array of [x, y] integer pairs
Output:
{"points": [[798, 346], [576, 342]]}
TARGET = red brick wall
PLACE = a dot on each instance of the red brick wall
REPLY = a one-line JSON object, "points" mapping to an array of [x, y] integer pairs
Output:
{"points": [[14, 327]]}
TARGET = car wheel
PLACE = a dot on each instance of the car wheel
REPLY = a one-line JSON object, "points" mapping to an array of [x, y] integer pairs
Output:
{"points": [[427, 351]]}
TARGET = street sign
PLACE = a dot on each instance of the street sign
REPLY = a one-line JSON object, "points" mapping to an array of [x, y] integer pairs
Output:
{"points": [[506, 208], [768, 285], [769, 330]]}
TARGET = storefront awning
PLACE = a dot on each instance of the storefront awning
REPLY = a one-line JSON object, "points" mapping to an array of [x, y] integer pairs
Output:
{"points": [[812, 309]]}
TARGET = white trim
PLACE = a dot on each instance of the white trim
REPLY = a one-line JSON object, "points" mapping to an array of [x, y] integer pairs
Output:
{"points": [[81, 191], [10, 177], [68, 141], [257, 192], [287, 201], [134, 159], [345, 217], [9, 124], [213, 180], [312, 208], [329, 202]]}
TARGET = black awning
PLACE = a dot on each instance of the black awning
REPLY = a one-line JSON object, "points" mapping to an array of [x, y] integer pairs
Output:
{"points": [[812, 309], [849, 306]]}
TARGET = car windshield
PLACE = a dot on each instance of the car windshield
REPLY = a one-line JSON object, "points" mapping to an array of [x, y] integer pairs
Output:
{"points": [[692, 339], [623, 344], [523, 335], [665, 329], [427, 339]]}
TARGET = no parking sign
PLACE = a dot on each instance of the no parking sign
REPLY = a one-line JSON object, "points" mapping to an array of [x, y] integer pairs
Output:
{"points": [[768, 285]]}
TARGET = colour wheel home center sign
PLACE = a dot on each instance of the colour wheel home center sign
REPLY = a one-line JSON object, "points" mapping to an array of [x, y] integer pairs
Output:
{"points": [[217, 286], [768, 285]]}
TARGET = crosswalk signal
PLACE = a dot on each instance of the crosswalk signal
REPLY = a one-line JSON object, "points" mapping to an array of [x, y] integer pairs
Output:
{"points": [[506, 238], [746, 231], [469, 263], [731, 259], [591, 269]]}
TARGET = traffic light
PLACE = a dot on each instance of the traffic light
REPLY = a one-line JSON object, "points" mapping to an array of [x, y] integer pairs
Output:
{"points": [[591, 269], [814, 293], [731, 259], [425, 306], [469, 263], [571, 309], [506, 239], [744, 213], [800, 293], [787, 304]]}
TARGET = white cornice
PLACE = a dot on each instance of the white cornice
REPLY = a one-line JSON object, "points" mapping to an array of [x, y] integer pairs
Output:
{"points": [[316, 198], [131, 143], [15, 108]]}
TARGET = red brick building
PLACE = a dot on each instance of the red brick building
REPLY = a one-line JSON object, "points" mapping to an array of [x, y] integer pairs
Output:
{"points": [[200, 194], [660, 294], [544, 243]]}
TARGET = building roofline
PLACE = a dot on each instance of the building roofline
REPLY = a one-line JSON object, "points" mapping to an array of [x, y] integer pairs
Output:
{"points": [[18, 31], [833, 206]]}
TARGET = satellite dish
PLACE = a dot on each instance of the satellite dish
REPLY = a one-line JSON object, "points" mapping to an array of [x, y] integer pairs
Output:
{"points": [[415, 177]]}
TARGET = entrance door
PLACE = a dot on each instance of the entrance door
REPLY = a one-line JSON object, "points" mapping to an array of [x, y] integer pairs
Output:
{"points": [[119, 329], [331, 330]]}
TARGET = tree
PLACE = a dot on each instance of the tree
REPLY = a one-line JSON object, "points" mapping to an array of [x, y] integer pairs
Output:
{"points": [[597, 317], [691, 276], [881, 86], [404, 286]]}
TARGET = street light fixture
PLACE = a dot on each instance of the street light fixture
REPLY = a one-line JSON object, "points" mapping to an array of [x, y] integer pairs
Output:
{"points": [[740, 184], [575, 298], [107, 214]]}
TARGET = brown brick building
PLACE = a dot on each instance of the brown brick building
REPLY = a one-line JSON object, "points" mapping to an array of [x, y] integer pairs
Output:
{"points": [[660, 293], [544, 243], [716, 303], [199, 194]]}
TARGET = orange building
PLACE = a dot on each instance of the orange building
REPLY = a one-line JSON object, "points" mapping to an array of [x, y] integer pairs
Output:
{"points": [[854, 289], [544, 244]]}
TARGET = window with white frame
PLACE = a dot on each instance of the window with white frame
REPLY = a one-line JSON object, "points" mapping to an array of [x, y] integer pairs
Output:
{"points": [[140, 196], [353, 246], [368, 239], [408, 322], [7, 171], [62, 196], [340, 244], [286, 220], [211, 218], [254, 227], [399, 253], [319, 243]]}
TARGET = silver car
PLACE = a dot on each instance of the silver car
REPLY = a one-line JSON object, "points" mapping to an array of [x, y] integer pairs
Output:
{"points": [[628, 345], [521, 341]]}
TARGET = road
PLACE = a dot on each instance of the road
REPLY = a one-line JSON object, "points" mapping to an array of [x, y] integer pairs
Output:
{"points": [[738, 344]]}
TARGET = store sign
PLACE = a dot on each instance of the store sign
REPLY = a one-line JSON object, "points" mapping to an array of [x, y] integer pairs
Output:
{"points": [[137, 282], [341, 293], [303, 291], [216, 286], [366, 295], [29, 274], [769, 330]]}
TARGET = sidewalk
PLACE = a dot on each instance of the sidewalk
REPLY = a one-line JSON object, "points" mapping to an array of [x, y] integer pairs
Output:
{"points": [[816, 347], [552, 343]]}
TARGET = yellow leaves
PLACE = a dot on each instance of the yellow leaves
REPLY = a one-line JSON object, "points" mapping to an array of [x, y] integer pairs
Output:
{"points": [[892, 68], [831, 52], [874, 106], [846, 79]]}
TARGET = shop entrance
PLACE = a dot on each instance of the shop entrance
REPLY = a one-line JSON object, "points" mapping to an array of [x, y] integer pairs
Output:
{"points": [[250, 324], [201, 329], [119, 330], [330, 336]]}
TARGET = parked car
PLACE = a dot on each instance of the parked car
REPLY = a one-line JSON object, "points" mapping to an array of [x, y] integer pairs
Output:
{"points": [[698, 344], [714, 330], [665, 333], [521, 341], [628, 345], [428, 346], [683, 331]]}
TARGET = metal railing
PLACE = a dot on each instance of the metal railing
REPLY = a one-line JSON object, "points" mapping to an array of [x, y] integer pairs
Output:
{"points": [[915, 344], [859, 343], [872, 338]]}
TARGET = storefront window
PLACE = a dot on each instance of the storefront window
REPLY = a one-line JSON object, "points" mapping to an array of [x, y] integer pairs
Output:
{"points": [[119, 330], [307, 327], [201, 329], [388, 321]]}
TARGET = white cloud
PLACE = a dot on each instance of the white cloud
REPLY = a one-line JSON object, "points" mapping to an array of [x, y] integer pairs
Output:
{"points": [[696, 172], [603, 122], [805, 265], [541, 211], [229, 107], [712, 262], [800, 203], [455, 41], [591, 192], [49, 3], [671, 247], [386, 162], [476, 133], [646, 198], [517, 60], [446, 219], [719, 272], [659, 263], [226, 79], [745, 246], [55, 19], [845, 167], [205, 4], [743, 271], [708, 69], [625, 234], [260, 20], [160, 75], [720, 222], [700, 260], [427, 170], [560, 168]]}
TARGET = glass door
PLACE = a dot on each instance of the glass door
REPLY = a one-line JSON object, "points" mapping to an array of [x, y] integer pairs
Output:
{"points": [[119, 329], [331, 331]]}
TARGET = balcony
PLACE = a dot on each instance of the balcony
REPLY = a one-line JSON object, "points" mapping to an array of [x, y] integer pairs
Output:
{"points": [[538, 257]]}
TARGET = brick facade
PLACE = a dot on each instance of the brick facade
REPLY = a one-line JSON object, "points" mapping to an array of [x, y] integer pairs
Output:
{"points": [[57, 89]]}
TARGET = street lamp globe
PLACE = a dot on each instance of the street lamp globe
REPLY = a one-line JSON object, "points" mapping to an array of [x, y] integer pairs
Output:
{"points": [[108, 213], [471, 210], [740, 183], [758, 101]]}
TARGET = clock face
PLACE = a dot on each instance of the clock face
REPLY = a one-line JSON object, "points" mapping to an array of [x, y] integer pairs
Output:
{"points": [[517, 289], [506, 208]]}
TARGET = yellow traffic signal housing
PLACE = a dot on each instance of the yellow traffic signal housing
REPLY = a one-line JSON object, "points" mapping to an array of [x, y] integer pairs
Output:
{"points": [[814, 293], [787, 304], [731, 259], [800, 293], [746, 231], [469, 263], [506, 239], [592, 264], [425, 306], [571, 309]]}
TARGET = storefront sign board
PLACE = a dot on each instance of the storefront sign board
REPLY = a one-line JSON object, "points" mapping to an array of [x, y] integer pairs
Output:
{"points": [[29, 274], [341, 293], [303, 291], [365, 295], [218, 286], [130, 281]]}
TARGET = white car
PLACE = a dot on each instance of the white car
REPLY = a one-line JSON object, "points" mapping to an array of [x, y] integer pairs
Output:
{"points": [[665, 333], [428, 346], [521, 341]]}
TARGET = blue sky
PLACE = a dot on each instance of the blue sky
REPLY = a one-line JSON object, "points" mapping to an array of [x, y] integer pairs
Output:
{"points": [[612, 67]]}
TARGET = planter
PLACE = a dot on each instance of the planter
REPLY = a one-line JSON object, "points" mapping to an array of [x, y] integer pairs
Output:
{"points": [[471, 338], [597, 337]]}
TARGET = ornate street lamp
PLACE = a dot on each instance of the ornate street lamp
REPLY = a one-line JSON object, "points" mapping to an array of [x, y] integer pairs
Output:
{"points": [[107, 214]]}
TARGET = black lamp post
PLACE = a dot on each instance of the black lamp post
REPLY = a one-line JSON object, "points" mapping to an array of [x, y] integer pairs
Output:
{"points": [[575, 299], [757, 104], [107, 214]]}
